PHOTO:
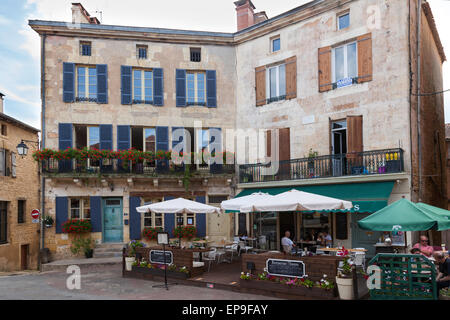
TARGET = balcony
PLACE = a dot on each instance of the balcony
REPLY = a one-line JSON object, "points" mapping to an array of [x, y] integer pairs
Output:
{"points": [[351, 164], [53, 167]]}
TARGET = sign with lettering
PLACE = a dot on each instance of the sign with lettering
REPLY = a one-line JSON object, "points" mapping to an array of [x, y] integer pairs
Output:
{"points": [[285, 268], [157, 256], [344, 82]]}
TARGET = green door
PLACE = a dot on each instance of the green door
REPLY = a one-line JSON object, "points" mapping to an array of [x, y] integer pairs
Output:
{"points": [[363, 238], [112, 220]]}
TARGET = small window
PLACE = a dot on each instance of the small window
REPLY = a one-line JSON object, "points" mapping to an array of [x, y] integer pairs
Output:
{"points": [[141, 52], [345, 64], [85, 48], [80, 208], [3, 222], [153, 220], [196, 55], [276, 45], [343, 21], [4, 131], [21, 211], [196, 84]]}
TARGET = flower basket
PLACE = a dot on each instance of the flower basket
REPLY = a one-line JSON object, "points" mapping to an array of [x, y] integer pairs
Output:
{"points": [[77, 226], [187, 232], [151, 234]]}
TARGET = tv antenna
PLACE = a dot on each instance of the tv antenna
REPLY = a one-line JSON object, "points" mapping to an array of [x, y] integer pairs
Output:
{"points": [[101, 15]]}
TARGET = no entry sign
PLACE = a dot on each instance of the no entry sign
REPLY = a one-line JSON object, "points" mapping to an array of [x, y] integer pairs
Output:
{"points": [[35, 214]]}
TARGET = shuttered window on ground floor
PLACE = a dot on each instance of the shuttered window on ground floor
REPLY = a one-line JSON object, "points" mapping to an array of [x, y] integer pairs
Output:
{"points": [[3, 221]]}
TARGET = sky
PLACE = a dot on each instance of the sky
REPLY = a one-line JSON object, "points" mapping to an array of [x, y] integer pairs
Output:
{"points": [[20, 45]]}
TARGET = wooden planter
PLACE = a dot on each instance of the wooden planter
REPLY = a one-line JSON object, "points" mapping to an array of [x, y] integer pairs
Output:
{"points": [[160, 272], [287, 289]]}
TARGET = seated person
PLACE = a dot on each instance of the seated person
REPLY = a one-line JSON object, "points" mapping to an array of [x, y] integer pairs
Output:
{"points": [[443, 278], [287, 243], [321, 239], [424, 248], [327, 238], [415, 251]]}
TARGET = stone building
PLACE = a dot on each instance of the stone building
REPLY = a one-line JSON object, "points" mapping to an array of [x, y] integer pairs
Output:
{"points": [[19, 195], [324, 90]]}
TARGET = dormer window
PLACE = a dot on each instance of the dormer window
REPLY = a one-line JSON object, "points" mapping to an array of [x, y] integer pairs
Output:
{"points": [[344, 21], [141, 52], [85, 48]]}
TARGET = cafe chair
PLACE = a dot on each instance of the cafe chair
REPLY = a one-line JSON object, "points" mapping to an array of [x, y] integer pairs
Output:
{"points": [[244, 247], [220, 253], [210, 257], [233, 249], [196, 256], [262, 242], [236, 239]]}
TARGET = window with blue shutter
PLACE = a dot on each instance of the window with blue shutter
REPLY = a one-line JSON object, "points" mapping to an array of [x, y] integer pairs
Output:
{"points": [[62, 213], [123, 138], [106, 136], [158, 87], [102, 83], [125, 72], [96, 213], [201, 218], [178, 141], [65, 137], [162, 144], [68, 82], [169, 219], [180, 75], [135, 218], [211, 89]]}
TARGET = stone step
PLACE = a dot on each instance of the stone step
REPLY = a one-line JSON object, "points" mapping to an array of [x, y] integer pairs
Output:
{"points": [[110, 246], [93, 263], [107, 254], [97, 249]]}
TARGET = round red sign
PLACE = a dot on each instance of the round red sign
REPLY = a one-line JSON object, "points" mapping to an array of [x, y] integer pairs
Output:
{"points": [[35, 214]]}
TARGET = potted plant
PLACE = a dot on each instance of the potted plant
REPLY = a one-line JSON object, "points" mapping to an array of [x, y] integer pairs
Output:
{"points": [[444, 294], [311, 156], [83, 244], [344, 279], [132, 253], [48, 221]]}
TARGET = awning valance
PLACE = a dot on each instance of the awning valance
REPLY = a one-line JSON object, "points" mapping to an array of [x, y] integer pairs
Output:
{"points": [[366, 197]]}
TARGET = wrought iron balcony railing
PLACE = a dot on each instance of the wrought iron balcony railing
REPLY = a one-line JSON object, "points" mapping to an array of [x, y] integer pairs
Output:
{"points": [[361, 163], [116, 166]]}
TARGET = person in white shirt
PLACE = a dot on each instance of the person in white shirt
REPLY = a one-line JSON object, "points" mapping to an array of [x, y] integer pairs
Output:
{"points": [[287, 243], [327, 239]]}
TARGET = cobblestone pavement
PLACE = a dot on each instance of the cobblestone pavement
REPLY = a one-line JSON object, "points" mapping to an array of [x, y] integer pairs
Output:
{"points": [[105, 283]]}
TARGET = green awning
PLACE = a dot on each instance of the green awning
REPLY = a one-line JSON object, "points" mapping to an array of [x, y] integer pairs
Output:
{"points": [[366, 197]]}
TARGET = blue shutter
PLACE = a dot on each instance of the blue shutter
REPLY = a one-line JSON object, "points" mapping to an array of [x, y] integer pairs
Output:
{"points": [[169, 219], [62, 212], [180, 140], [125, 72], [162, 143], [158, 87], [215, 145], [68, 82], [180, 76], [211, 89], [123, 138], [102, 83], [65, 141], [135, 219], [201, 218], [96, 213], [106, 136]]}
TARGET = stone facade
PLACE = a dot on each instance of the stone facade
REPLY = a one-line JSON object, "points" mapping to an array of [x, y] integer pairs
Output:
{"points": [[22, 239], [388, 110]]}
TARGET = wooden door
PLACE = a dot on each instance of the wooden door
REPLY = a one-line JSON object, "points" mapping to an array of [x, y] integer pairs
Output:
{"points": [[354, 143], [24, 256], [285, 153]]}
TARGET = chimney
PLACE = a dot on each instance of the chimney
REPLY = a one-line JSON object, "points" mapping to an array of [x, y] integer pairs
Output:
{"points": [[80, 15], [1, 102], [245, 14], [260, 17]]}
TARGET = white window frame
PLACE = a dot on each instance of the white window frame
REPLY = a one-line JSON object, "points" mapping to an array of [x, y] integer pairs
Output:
{"points": [[196, 96], [82, 208], [333, 60], [185, 217], [199, 143], [144, 147], [142, 71], [338, 20], [152, 217], [277, 67], [86, 82], [272, 44]]}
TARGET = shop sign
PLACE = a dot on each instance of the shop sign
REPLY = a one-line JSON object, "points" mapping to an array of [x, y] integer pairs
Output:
{"points": [[285, 268], [157, 256]]}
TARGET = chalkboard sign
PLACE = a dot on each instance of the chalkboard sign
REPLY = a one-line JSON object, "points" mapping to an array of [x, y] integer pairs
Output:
{"points": [[157, 256], [285, 268], [341, 226]]}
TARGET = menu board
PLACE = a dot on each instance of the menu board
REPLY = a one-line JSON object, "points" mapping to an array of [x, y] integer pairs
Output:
{"points": [[157, 256], [341, 226], [285, 268], [399, 239]]}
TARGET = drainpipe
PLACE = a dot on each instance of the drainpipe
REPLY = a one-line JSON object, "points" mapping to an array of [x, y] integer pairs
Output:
{"points": [[42, 242], [419, 144]]}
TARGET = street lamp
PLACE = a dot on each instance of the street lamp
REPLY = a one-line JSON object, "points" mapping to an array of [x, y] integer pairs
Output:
{"points": [[22, 149]]}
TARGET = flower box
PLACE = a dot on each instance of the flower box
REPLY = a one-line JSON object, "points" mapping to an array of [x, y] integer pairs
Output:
{"points": [[160, 272], [288, 289]]}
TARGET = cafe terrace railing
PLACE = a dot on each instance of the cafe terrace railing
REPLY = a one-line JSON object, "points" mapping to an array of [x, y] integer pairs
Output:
{"points": [[360, 163], [116, 166]]}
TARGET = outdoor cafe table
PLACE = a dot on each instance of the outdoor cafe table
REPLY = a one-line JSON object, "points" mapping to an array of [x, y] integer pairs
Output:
{"points": [[337, 250]]}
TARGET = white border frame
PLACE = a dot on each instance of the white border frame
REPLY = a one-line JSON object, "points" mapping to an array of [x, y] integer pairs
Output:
{"points": [[283, 275]]}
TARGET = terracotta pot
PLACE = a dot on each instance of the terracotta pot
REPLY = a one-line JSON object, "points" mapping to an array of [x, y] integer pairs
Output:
{"points": [[345, 287]]}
